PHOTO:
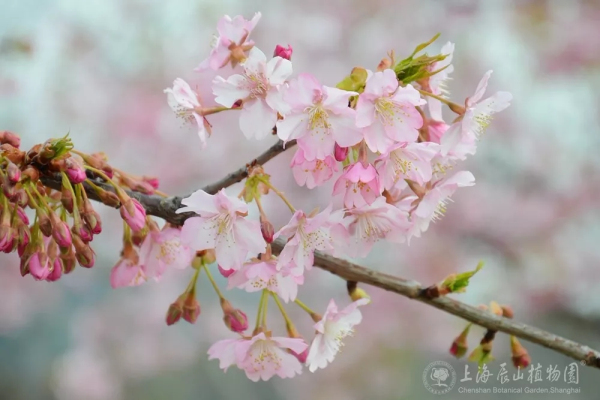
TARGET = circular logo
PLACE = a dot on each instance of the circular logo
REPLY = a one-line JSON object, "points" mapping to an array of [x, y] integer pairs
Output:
{"points": [[439, 377]]}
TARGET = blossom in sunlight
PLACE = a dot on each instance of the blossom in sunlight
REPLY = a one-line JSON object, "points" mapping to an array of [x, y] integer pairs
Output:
{"points": [[261, 356], [312, 173], [221, 225], [258, 87], [232, 43], [386, 112], [258, 275], [185, 102], [319, 117], [331, 330], [360, 185]]}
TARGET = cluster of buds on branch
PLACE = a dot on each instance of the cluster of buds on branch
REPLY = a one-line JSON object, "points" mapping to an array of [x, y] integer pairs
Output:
{"points": [[379, 133]]}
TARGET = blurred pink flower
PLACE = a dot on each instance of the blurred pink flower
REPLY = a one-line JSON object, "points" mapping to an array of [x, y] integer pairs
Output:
{"points": [[360, 185], [127, 272], [221, 225], [331, 329], [437, 82], [232, 42], [258, 87], [164, 249], [312, 173], [319, 117], [406, 161], [386, 113]]}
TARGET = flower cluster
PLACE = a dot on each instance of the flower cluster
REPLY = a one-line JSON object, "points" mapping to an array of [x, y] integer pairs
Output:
{"points": [[380, 135]]}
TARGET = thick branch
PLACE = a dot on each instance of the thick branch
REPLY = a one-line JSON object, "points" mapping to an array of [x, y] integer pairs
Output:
{"points": [[165, 208]]}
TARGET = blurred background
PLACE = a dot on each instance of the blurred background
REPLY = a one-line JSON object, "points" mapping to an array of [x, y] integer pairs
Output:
{"points": [[97, 69]]}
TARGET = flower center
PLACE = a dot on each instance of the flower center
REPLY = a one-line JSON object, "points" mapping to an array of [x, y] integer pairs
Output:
{"points": [[169, 249], [388, 111], [263, 356], [318, 119], [257, 85]]}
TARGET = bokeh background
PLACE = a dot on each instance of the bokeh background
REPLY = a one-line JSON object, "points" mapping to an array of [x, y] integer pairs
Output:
{"points": [[97, 69]]}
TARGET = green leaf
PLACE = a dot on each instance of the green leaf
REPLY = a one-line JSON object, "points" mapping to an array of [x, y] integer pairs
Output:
{"points": [[355, 82], [457, 283]]}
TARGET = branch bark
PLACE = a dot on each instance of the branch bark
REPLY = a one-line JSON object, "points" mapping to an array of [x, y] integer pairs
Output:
{"points": [[165, 208]]}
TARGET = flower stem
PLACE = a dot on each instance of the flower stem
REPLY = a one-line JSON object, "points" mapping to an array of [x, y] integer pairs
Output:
{"points": [[212, 281], [453, 106], [265, 307], [288, 321], [280, 194], [260, 310], [304, 307], [103, 176], [191, 288]]}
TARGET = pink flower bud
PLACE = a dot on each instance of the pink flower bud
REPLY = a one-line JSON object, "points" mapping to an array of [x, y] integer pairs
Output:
{"points": [[174, 312], [225, 272], [22, 216], [340, 153], [191, 308], [152, 181], [83, 252], [235, 319], [75, 169], [283, 52], [39, 265], [10, 138], [57, 269], [69, 260], [61, 234], [267, 230], [83, 232], [520, 356], [134, 214], [20, 198], [13, 172]]}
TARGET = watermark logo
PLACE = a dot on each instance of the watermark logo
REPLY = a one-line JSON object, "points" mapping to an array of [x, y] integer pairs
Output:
{"points": [[439, 377]]}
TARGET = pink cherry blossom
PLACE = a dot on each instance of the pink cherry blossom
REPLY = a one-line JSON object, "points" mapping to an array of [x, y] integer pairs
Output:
{"points": [[437, 82], [232, 42], [369, 223], [331, 329], [222, 226], [127, 272], [318, 117], [134, 214], [164, 249], [258, 275], [258, 87], [39, 265], [386, 113], [312, 173], [360, 185], [261, 357], [477, 117], [436, 130], [407, 161], [306, 234], [185, 102]]}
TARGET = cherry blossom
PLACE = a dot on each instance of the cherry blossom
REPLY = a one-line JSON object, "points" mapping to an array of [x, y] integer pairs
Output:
{"points": [[407, 161], [164, 249], [319, 117], [258, 275], [312, 173], [306, 234], [185, 102], [127, 272], [221, 225], [369, 223], [258, 87], [386, 112], [261, 356], [360, 185], [331, 330], [437, 82], [232, 42]]}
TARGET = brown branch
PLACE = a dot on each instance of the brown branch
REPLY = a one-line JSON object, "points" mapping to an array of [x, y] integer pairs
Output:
{"points": [[165, 208]]}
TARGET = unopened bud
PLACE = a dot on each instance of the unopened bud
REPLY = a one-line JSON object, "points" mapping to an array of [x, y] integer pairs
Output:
{"points": [[66, 199], [56, 270], [191, 308], [174, 312], [83, 252], [507, 311], [153, 181], [520, 356], [91, 218], [235, 319], [10, 138], [340, 153], [459, 345], [283, 52], [60, 231], [385, 63], [68, 259], [134, 214], [44, 222], [13, 172], [267, 229]]}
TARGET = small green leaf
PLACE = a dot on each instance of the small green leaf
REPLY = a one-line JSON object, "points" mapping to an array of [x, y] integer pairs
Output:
{"points": [[457, 283], [355, 82], [481, 356], [424, 45]]}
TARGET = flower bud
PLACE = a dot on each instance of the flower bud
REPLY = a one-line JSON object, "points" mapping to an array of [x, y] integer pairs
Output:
{"points": [[340, 153], [283, 52], [235, 319], [152, 181], [459, 345], [83, 232], [66, 199], [174, 312], [20, 198], [56, 270], [60, 232], [355, 292], [225, 272], [91, 218], [134, 214], [69, 260], [520, 356], [75, 169], [83, 252], [507, 311], [138, 237], [38, 265], [191, 308], [44, 222], [10, 138], [8, 188], [13, 172], [267, 229]]}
